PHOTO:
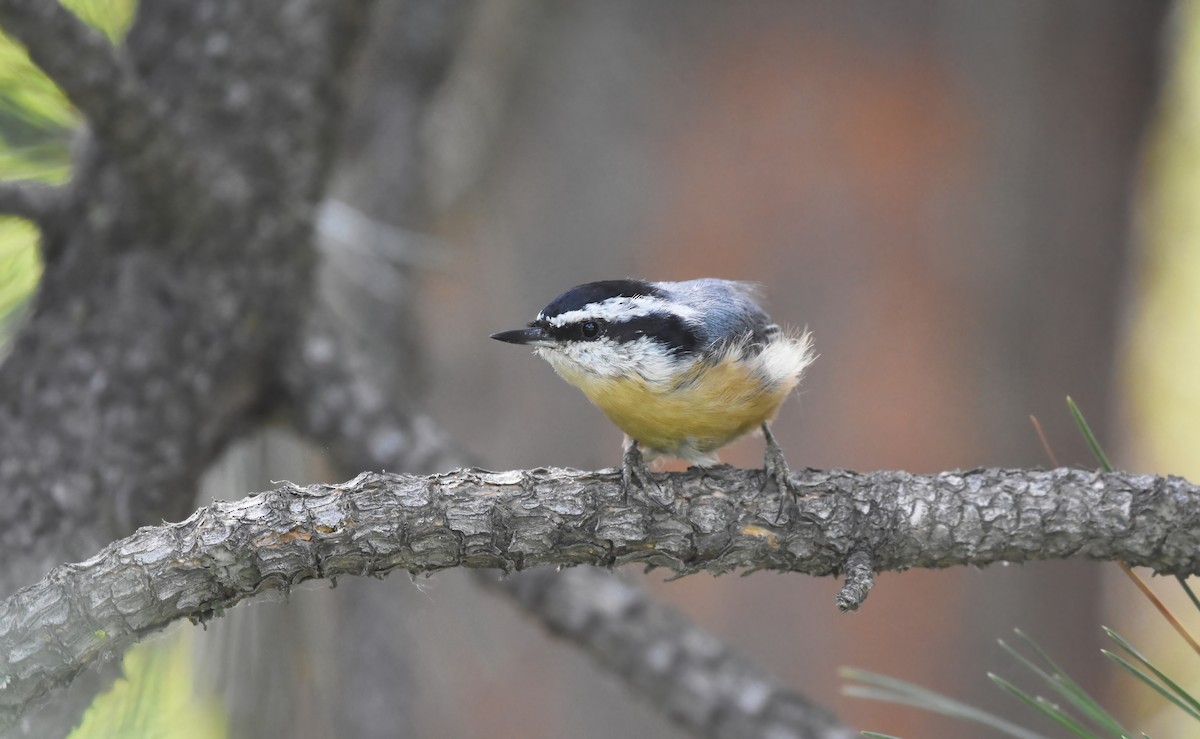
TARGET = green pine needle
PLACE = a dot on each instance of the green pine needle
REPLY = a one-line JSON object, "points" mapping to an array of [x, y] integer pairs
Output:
{"points": [[1140, 675], [1188, 589], [1062, 683], [1086, 430], [1102, 458], [1045, 707], [893, 690], [1182, 698]]}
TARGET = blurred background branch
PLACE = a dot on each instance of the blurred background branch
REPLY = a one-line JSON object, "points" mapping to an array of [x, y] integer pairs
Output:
{"points": [[32, 200], [694, 677]]}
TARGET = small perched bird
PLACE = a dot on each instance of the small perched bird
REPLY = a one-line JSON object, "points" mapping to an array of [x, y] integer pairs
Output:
{"points": [[683, 368]]}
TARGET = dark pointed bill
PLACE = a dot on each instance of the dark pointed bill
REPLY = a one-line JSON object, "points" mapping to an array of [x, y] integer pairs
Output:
{"points": [[531, 335]]}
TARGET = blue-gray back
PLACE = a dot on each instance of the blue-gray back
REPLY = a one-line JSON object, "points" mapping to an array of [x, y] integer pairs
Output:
{"points": [[728, 310]]}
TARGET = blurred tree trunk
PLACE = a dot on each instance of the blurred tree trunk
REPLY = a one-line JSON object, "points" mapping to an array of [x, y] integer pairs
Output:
{"points": [[178, 261]]}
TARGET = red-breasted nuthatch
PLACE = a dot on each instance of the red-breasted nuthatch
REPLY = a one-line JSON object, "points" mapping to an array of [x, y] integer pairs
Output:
{"points": [[683, 368]]}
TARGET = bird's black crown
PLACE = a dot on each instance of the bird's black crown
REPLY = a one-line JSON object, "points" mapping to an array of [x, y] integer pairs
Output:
{"points": [[596, 292]]}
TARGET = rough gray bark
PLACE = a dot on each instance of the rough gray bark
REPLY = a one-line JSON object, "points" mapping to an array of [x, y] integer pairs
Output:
{"points": [[694, 678], [156, 264], [377, 523]]}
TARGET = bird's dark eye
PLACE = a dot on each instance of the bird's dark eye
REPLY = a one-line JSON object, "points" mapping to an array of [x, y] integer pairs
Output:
{"points": [[589, 329]]}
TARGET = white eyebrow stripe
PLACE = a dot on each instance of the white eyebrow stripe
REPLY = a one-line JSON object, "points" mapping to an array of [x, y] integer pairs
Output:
{"points": [[621, 308]]}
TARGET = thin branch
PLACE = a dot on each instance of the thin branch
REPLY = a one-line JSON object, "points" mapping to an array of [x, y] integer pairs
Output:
{"points": [[36, 201], [860, 578], [230, 551], [1161, 607], [691, 675], [335, 399]]}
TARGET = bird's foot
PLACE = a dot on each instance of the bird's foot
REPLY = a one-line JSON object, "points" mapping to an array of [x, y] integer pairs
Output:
{"points": [[634, 470], [775, 469]]}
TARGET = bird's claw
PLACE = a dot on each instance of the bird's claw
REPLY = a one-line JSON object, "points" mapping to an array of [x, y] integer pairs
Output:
{"points": [[634, 470], [775, 470]]}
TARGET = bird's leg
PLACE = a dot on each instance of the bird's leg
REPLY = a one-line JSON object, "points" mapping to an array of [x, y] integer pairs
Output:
{"points": [[634, 470], [776, 470]]}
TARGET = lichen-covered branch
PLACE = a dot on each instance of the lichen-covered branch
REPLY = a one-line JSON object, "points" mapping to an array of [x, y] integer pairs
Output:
{"points": [[377, 523], [691, 675], [35, 201], [860, 578]]}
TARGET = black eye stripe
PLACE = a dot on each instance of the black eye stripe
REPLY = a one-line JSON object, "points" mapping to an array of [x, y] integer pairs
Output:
{"points": [[585, 330], [669, 330]]}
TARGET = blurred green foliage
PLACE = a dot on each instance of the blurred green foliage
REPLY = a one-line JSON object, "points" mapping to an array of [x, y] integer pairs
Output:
{"points": [[19, 266], [36, 121], [1163, 354], [155, 698], [110, 17]]}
